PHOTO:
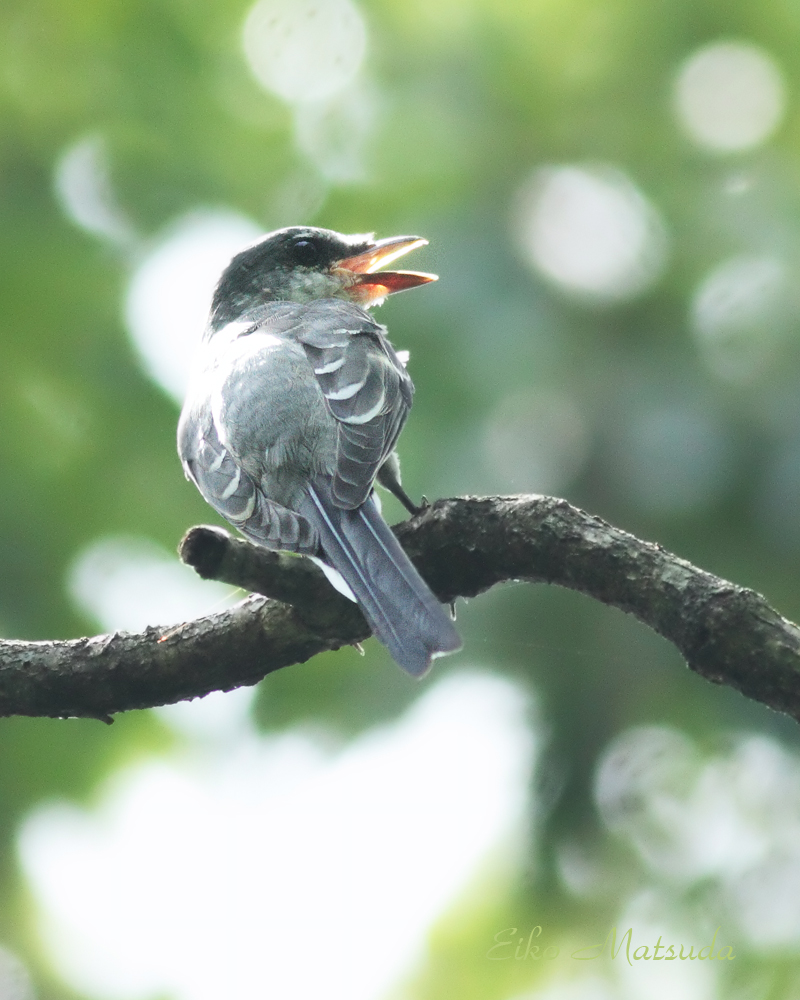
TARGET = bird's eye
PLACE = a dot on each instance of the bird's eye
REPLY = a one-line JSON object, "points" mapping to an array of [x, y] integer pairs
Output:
{"points": [[305, 252]]}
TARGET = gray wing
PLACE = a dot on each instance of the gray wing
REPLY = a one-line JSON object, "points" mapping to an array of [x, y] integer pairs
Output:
{"points": [[233, 494], [366, 387]]}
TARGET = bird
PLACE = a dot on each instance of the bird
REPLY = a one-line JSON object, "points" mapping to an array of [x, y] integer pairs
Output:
{"points": [[295, 403]]}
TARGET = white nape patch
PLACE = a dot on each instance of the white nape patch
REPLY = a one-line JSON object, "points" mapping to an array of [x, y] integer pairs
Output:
{"points": [[335, 579], [235, 328], [377, 501], [403, 357], [268, 340], [219, 355], [348, 392], [332, 367], [237, 347]]}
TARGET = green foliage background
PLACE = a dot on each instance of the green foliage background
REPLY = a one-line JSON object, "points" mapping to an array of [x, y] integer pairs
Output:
{"points": [[471, 96]]}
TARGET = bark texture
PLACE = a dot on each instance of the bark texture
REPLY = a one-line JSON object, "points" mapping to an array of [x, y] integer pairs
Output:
{"points": [[463, 546]]}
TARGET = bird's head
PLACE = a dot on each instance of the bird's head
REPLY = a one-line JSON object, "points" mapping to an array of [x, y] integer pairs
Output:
{"points": [[302, 263]]}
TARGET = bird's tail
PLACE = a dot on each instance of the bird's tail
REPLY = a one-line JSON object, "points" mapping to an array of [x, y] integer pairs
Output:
{"points": [[400, 608]]}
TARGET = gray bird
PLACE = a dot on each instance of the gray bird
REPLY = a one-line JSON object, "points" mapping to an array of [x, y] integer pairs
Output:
{"points": [[295, 403]]}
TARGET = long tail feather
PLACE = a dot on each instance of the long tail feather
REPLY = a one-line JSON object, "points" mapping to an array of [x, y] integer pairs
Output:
{"points": [[400, 608]]}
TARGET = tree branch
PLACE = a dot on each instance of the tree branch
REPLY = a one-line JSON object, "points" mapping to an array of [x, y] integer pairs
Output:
{"points": [[462, 547]]}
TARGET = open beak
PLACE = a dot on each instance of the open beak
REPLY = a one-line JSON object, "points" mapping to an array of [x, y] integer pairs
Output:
{"points": [[368, 284]]}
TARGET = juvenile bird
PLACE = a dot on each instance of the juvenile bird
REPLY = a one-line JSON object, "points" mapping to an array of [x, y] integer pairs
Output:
{"points": [[295, 404]]}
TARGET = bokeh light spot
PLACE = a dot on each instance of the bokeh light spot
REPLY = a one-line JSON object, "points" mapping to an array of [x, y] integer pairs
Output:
{"points": [[536, 440], [169, 294], [738, 314], [221, 716], [591, 987], [729, 96], [777, 502], [590, 231], [673, 458], [82, 181], [15, 983], [273, 868], [732, 818], [130, 583], [688, 979], [333, 134], [304, 50]]}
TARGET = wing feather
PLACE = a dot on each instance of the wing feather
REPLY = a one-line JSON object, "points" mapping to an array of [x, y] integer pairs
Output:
{"points": [[365, 385], [234, 495]]}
